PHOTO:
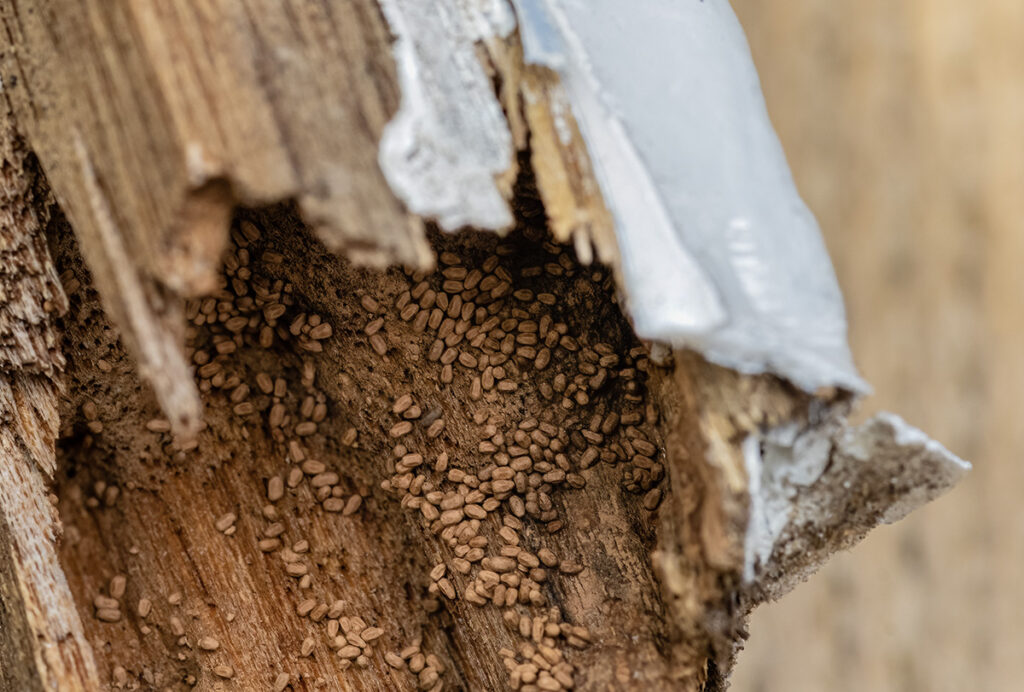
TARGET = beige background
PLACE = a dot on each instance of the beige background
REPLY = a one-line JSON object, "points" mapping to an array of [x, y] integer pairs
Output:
{"points": [[904, 124]]}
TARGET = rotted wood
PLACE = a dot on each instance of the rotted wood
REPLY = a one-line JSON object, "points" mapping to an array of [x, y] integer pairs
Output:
{"points": [[182, 555], [700, 558], [202, 533], [42, 643], [150, 216], [152, 120], [316, 492], [276, 468]]}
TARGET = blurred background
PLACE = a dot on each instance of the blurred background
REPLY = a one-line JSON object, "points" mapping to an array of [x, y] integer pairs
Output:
{"points": [[904, 125]]}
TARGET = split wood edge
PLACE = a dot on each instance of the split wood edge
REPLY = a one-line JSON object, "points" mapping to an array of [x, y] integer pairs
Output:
{"points": [[143, 278]]}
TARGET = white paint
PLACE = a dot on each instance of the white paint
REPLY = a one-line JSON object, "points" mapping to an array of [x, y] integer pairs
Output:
{"points": [[757, 523], [784, 461], [779, 463], [449, 140], [907, 435], [718, 251]]}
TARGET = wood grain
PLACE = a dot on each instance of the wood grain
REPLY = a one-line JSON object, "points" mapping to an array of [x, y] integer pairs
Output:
{"points": [[42, 645], [902, 124], [152, 120], [42, 642], [160, 531]]}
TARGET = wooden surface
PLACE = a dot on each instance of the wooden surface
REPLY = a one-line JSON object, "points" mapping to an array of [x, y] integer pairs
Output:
{"points": [[153, 119], [159, 529], [149, 194], [41, 638], [137, 503], [144, 119], [902, 122]]}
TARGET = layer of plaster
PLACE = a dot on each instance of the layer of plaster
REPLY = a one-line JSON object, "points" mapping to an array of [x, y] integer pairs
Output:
{"points": [[449, 141]]}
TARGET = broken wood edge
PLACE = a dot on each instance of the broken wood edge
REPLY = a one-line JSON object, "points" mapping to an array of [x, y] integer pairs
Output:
{"points": [[778, 483], [41, 622], [700, 556], [542, 124], [820, 489], [710, 476], [42, 642], [150, 316]]}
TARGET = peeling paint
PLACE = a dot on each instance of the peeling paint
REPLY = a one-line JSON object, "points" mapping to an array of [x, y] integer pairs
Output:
{"points": [[718, 251], [779, 463], [449, 141], [797, 477]]}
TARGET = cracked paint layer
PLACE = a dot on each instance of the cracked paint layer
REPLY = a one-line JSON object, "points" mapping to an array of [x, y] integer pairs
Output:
{"points": [[819, 489], [718, 251], [449, 141]]}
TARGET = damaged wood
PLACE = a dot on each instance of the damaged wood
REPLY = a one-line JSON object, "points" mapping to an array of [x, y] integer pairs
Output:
{"points": [[145, 117], [709, 411], [467, 477], [568, 535], [820, 488], [42, 644]]}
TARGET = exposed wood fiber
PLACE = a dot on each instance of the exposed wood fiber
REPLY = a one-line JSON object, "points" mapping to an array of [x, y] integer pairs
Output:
{"points": [[152, 120]]}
